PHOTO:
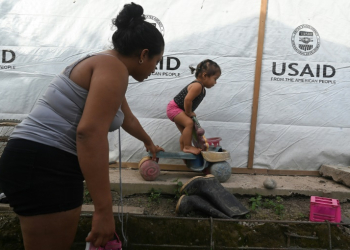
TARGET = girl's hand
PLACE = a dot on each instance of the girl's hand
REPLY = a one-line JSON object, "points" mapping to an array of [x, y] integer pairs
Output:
{"points": [[153, 149], [102, 230], [190, 115]]}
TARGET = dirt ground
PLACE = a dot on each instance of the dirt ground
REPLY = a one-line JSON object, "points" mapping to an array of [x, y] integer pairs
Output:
{"points": [[293, 208]]}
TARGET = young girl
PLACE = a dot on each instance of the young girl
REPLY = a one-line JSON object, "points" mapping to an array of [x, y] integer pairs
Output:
{"points": [[181, 109]]}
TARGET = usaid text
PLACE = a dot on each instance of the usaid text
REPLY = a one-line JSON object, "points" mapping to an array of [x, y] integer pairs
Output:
{"points": [[294, 69], [168, 63], [307, 74], [7, 56]]}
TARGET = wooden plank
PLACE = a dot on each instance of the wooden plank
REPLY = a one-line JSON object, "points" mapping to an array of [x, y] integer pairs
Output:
{"points": [[259, 53], [293, 172], [183, 168], [248, 171], [8, 124], [274, 172]]}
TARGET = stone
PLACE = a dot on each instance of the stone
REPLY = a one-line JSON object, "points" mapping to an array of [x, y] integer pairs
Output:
{"points": [[339, 174], [270, 183]]}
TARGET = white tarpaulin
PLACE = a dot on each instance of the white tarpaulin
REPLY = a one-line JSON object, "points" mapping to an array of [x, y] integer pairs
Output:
{"points": [[303, 104]]}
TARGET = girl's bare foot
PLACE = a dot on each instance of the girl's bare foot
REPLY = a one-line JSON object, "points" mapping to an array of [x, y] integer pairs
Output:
{"points": [[193, 150]]}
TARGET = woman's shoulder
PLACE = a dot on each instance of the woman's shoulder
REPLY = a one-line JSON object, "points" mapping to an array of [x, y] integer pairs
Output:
{"points": [[100, 67], [107, 61], [108, 57]]}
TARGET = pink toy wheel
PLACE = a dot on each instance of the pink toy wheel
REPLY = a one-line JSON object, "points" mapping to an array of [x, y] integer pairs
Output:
{"points": [[149, 170]]}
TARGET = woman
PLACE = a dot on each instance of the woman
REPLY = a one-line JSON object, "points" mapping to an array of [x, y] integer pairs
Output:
{"points": [[64, 139]]}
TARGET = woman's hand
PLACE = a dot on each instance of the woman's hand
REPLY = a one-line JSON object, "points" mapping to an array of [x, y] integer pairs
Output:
{"points": [[103, 228], [153, 149]]}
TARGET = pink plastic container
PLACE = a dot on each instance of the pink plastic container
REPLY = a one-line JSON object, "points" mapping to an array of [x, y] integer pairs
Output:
{"points": [[115, 244], [322, 209], [214, 141]]}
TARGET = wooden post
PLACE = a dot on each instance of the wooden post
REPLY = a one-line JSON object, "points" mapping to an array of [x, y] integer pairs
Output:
{"points": [[259, 53]]}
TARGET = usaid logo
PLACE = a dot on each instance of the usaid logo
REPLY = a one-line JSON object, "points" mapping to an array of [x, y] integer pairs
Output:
{"points": [[305, 40], [156, 22], [168, 66], [7, 56]]}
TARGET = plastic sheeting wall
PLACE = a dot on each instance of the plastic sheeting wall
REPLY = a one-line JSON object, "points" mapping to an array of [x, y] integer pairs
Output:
{"points": [[303, 104]]}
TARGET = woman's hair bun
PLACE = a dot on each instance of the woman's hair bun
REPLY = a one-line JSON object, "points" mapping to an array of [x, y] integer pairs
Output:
{"points": [[130, 16], [134, 34]]}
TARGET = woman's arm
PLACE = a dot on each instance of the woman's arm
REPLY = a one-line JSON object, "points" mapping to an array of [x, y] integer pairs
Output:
{"points": [[133, 127], [194, 90], [107, 90]]}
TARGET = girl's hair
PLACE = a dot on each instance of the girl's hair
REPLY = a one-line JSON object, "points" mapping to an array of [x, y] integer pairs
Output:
{"points": [[208, 66], [134, 34]]}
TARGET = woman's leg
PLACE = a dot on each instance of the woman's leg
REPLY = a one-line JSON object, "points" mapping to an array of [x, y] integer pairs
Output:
{"points": [[187, 123], [45, 188], [54, 231]]}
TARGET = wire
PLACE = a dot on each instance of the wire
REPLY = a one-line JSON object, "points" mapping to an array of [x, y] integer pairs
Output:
{"points": [[121, 190]]}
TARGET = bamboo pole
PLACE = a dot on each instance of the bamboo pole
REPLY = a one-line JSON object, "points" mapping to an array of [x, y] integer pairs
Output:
{"points": [[261, 34]]}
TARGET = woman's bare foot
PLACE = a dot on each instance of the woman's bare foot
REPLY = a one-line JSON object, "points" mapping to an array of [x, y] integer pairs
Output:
{"points": [[193, 150]]}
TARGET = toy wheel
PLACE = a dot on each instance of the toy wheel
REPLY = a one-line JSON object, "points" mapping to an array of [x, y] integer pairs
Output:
{"points": [[221, 170], [146, 158], [149, 169]]}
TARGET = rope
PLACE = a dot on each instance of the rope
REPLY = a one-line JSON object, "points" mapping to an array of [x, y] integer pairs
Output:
{"points": [[211, 234], [121, 190], [329, 235]]}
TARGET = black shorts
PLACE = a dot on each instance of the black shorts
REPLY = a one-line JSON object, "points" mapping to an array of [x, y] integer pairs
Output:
{"points": [[39, 179]]}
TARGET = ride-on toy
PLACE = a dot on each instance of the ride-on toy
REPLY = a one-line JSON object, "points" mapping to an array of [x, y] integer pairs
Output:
{"points": [[211, 160]]}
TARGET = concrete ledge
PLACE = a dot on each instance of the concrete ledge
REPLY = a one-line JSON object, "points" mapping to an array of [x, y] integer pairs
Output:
{"points": [[337, 173], [5, 207], [243, 184], [126, 209]]}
